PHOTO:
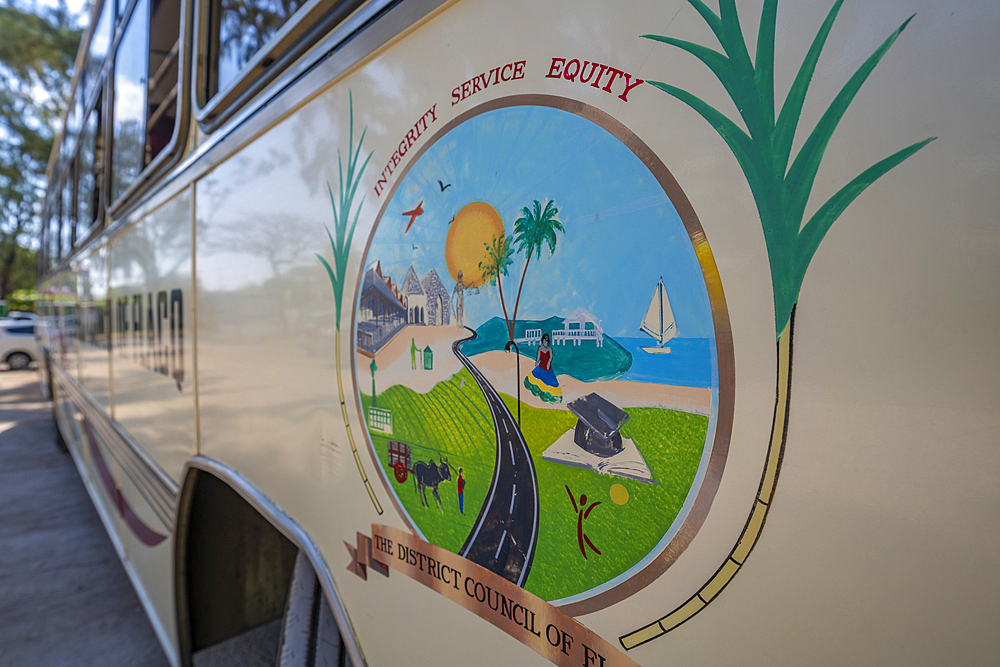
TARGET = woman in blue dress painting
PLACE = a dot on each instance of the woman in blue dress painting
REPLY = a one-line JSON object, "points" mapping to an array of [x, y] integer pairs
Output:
{"points": [[541, 381]]}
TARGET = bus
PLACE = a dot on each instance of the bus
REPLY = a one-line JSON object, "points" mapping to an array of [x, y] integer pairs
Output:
{"points": [[462, 331]]}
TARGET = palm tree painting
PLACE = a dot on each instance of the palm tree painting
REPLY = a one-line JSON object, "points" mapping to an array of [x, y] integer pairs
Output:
{"points": [[340, 245], [536, 227], [494, 266], [781, 186]]}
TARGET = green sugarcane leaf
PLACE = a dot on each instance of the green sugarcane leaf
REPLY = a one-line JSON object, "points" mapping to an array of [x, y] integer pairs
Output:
{"points": [[802, 173], [738, 141], [788, 119], [718, 63], [733, 42], [710, 17], [813, 232], [764, 60]]}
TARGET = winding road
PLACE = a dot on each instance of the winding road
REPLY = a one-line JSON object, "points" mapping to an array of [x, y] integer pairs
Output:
{"points": [[505, 532]]}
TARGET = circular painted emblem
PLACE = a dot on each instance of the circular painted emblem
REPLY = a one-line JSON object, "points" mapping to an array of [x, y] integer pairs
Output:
{"points": [[544, 361]]}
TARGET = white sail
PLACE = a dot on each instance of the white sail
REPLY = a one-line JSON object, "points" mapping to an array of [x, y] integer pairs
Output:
{"points": [[659, 319]]}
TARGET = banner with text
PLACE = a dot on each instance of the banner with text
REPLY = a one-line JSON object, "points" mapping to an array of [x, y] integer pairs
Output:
{"points": [[524, 616]]}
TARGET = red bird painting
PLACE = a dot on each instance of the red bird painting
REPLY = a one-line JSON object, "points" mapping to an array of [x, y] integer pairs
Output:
{"points": [[419, 210]]}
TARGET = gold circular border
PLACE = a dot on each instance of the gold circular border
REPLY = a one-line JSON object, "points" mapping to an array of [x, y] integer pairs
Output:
{"points": [[720, 319]]}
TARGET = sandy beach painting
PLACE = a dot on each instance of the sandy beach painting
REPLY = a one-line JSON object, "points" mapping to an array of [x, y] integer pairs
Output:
{"points": [[536, 353]]}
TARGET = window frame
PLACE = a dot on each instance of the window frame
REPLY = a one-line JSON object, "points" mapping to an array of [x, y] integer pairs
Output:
{"points": [[303, 30], [171, 153]]}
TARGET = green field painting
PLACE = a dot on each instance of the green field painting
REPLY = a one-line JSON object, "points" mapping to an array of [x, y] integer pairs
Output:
{"points": [[453, 420], [671, 443]]}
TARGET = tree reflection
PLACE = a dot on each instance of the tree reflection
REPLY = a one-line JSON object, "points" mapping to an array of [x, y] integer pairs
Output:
{"points": [[245, 27]]}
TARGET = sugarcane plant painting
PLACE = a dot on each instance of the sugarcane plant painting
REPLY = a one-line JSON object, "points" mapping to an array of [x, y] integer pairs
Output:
{"points": [[340, 245], [781, 187]]}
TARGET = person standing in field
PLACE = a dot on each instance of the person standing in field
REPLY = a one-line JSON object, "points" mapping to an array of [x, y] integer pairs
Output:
{"points": [[413, 353], [461, 492]]}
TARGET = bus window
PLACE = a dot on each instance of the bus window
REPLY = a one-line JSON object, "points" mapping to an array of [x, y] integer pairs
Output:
{"points": [[88, 171], [100, 45], [53, 235], [164, 51], [239, 29], [68, 213], [145, 90], [129, 115]]}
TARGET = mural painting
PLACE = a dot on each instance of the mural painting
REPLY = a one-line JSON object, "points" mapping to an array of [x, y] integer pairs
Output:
{"points": [[542, 346]]}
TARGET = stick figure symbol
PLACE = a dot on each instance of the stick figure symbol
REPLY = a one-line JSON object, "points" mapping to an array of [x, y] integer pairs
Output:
{"points": [[581, 515]]}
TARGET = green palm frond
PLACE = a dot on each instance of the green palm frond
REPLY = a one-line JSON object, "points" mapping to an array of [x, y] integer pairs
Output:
{"points": [[499, 256], [763, 151], [342, 203]]}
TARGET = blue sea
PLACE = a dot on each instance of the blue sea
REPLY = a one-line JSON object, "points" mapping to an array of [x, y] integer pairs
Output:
{"points": [[688, 364]]}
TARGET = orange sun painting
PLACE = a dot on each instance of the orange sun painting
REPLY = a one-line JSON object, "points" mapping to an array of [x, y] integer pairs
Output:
{"points": [[473, 228]]}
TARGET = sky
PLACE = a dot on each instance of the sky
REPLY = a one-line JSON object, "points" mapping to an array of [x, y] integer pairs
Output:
{"points": [[622, 232]]}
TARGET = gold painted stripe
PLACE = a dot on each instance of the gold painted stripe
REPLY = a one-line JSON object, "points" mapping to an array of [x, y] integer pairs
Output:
{"points": [[750, 533], [681, 614], [719, 581], [755, 522], [643, 635]]}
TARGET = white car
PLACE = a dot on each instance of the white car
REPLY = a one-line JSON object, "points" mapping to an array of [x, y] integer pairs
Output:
{"points": [[18, 345]]}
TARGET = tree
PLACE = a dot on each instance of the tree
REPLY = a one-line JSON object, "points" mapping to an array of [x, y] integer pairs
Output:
{"points": [[536, 227], [36, 60], [499, 256]]}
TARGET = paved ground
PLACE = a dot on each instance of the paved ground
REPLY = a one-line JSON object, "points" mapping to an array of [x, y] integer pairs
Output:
{"points": [[64, 595]]}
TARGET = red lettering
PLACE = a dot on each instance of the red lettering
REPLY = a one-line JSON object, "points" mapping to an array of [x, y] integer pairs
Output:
{"points": [[566, 73], [584, 69], [624, 96], [475, 85], [614, 75], [502, 75], [555, 68], [597, 81], [518, 70], [457, 95]]}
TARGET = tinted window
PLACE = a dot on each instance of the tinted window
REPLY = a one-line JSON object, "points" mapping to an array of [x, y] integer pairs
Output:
{"points": [[87, 191], [164, 48], [100, 45], [241, 28], [20, 330], [68, 214], [128, 146]]}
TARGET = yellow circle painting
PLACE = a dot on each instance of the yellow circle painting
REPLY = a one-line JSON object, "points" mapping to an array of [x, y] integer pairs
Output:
{"points": [[474, 227], [619, 494]]}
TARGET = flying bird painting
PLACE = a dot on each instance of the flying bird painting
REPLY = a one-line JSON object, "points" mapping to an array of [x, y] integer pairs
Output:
{"points": [[419, 210]]}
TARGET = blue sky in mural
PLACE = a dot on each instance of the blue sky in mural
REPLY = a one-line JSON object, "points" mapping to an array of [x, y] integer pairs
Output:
{"points": [[622, 232]]}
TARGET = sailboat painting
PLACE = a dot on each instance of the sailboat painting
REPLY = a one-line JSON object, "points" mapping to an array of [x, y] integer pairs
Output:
{"points": [[659, 321]]}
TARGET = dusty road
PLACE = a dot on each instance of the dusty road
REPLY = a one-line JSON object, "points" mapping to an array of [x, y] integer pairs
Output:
{"points": [[65, 599]]}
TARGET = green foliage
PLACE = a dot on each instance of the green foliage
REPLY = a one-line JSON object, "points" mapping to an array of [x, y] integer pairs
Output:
{"points": [[781, 191], [340, 240], [36, 60], [535, 228], [23, 299], [499, 256]]}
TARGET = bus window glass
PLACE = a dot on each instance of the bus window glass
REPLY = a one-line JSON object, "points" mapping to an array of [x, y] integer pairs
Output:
{"points": [[100, 44], [164, 46], [54, 224], [129, 115], [68, 214], [87, 191], [239, 29]]}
